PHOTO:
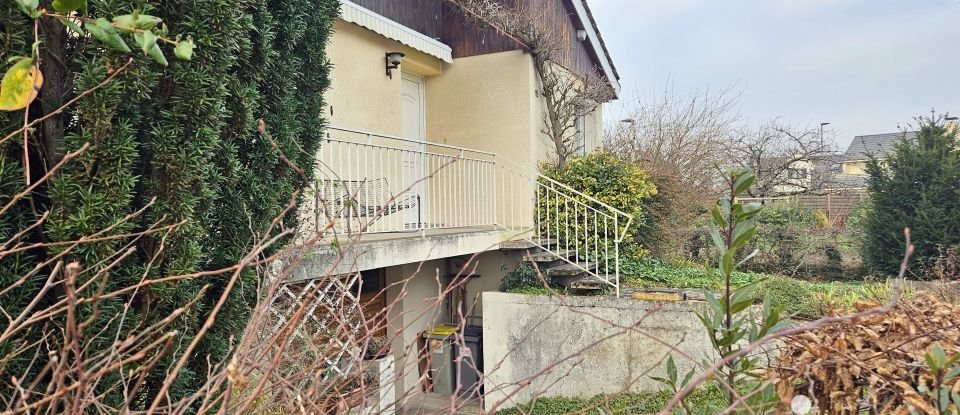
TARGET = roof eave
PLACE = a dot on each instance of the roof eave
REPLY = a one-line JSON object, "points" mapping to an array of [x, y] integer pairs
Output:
{"points": [[593, 35], [377, 23]]}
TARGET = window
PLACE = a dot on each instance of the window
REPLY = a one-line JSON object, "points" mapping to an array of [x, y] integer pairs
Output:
{"points": [[580, 137], [797, 174]]}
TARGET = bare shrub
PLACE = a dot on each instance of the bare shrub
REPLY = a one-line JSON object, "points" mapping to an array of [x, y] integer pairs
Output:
{"points": [[944, 270]]}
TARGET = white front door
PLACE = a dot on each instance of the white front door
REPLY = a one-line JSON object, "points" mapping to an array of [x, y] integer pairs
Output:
{"points": [[414, 163]]}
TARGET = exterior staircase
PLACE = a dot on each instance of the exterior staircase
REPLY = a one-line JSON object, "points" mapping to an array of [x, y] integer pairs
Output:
{"points": [[561, 267], [574, 238]]}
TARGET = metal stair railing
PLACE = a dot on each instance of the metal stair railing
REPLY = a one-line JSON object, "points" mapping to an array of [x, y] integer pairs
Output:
{"points": [[567, 223]]}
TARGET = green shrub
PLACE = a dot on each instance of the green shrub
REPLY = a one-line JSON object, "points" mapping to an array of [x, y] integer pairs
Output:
{"points": [[522, 279], [184, 135], [672, 212], [787, 213], [610, 179], [795, 296], [916, 188], [853, 234], [822, 220], [790, 240]]}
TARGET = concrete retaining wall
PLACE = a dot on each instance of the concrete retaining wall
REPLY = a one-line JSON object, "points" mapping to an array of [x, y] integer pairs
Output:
{"points": [[582, 346]]}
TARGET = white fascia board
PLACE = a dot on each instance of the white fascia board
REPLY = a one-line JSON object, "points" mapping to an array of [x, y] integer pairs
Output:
{"points": [[362, 16], [597, 47]]}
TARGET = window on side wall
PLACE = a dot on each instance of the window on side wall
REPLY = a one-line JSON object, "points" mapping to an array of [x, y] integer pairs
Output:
{"points": [[580, 139]]}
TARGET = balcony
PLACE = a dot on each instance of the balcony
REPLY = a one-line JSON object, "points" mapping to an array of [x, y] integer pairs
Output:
{"points": [[378, 184], [412, 200]]}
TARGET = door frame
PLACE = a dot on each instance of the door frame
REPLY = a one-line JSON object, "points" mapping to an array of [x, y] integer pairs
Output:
{"points": [[420, 81], [419, 217]]}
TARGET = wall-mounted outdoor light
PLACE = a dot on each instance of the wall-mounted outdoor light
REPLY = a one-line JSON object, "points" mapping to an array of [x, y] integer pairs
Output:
{"points": [[394, 59], [581, 35]]}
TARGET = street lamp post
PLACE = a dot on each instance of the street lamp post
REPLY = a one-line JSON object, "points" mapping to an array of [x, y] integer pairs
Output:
{"points": [[821, 133]]}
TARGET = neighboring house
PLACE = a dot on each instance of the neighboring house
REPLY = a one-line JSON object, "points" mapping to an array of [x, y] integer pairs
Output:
{"points": [[432, 150], [864, 147], [797, 177], [792, 176]]}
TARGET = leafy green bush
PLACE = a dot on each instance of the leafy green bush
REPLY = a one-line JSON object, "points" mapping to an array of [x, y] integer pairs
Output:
{"points": [[522, 279], [671, 212], [610, 179], [853, 235], [790, 240], [178, 142], [786, 213], [916, 188], [797, 297]]}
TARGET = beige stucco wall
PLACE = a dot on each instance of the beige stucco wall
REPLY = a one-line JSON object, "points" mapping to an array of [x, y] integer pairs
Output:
{"points": [[361, 96], [595, 129], [856, 168], [483, 102], [414, 295], [486, 103], [489, 269], [543, 146]]}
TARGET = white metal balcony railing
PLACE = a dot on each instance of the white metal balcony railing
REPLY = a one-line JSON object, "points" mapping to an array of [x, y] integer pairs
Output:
{"points": [[375, 183]]}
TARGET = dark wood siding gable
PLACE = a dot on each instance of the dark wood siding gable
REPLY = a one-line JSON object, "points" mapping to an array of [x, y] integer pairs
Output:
{"points": [[438, 20], [467, 38], [576, 55], [424, 16]]}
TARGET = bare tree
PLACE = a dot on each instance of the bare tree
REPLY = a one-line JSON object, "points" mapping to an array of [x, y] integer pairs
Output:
{"points": [[679, 140], [684, 137], [786, 159], [567, 94]]}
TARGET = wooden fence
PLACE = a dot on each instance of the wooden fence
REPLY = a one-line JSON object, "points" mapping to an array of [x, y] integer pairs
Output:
{"points": [[835, 205]]}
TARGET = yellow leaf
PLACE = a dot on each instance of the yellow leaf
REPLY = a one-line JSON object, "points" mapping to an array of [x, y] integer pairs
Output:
{"points": [[20, 85]]}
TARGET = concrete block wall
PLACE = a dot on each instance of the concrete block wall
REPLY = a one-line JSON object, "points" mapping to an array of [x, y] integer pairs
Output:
{"points": [[583, 346]]}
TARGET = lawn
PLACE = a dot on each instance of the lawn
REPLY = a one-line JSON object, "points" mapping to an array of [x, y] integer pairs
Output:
{"points": [[627, 403], [802, 298]]}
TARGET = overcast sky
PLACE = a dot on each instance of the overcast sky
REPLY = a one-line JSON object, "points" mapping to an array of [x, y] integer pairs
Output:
{"points": [[862, 65]]}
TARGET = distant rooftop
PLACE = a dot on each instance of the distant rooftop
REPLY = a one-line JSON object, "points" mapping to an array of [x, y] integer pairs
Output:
{"points": [[877, 145]]}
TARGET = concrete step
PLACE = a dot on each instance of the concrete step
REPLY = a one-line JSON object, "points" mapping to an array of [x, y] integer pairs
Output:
{"points": [[567, 270], [548, 256], [582, 281], [574, 277], [524, 244]]}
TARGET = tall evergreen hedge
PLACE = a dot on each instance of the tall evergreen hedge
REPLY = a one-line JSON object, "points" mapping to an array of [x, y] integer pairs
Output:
{"points": [[184, 134], [918, 187]]}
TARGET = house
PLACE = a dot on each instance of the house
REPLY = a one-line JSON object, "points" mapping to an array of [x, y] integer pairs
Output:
{"points": [[864, 147], [796, 177], [431, 157]]}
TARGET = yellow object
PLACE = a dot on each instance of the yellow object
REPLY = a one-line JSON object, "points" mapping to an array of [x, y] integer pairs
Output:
{"points": [[443, 329], [20, 85], [657, 296]]}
